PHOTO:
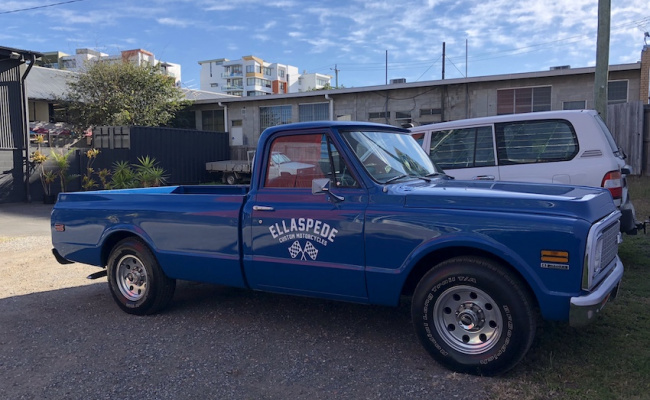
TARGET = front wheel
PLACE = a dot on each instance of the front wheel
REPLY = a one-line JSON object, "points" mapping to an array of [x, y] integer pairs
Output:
{"points": [[138, 284], [473, 316]]}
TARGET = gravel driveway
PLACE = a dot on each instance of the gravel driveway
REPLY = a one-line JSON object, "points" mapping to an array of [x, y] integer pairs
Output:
{"points": [[62, 337]]}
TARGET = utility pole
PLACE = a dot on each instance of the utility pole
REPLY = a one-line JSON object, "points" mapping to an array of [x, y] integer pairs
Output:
{"points": [[443, 60], [336, 73], [602, 58], [443, 88]]}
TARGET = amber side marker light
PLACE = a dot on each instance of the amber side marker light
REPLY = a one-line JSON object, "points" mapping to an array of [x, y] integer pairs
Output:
{"points": [[555, 256]]}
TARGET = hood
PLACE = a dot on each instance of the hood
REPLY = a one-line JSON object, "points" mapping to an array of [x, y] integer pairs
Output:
{"points": [[560, 200]]}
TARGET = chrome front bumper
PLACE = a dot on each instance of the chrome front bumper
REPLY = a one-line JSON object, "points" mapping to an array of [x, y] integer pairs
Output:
{"points": [[585, 308]]}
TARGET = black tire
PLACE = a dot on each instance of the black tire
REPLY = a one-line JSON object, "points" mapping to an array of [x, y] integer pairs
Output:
{"points": [[473, 316], [137, 283], [231, 179]]}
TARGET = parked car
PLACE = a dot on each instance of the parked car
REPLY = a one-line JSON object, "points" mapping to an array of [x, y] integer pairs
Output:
{"points": [[568, 147]]}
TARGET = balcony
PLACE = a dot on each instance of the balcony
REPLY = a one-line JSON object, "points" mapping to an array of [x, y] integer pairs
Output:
{"points": [[232, 74]]}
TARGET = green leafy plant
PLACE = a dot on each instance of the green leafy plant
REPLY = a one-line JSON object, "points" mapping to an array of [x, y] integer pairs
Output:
{"points": [[39, 159], [88, 182], [148, 173], [62, 163], [103, 175], [123, 176]]}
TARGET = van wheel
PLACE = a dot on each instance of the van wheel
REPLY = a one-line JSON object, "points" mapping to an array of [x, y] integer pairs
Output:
{"points": [[473, 316], [138, 284]]}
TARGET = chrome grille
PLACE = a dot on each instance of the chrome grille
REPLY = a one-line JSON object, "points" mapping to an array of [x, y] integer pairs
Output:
{"points": [[609, 249], [603, 237]]}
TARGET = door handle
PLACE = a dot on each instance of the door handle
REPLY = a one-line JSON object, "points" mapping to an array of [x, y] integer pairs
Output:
{"points": [[263, 208], [484, 178]]}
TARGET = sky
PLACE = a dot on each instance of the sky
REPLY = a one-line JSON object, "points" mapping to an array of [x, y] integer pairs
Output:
{"points": [[368, 42]]}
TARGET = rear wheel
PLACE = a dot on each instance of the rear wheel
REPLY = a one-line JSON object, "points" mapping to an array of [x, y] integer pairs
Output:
{"points": [[138, 284], [231, 179], [473, 316]]}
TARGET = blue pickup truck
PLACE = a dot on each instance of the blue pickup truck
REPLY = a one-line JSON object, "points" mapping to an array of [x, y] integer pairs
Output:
{"points": [[362, 215]]}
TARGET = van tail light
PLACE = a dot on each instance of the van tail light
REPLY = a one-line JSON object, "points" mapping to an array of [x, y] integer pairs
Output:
{"points": [[613, 181]]}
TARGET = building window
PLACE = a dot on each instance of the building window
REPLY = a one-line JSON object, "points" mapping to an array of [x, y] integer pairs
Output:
{"points": [[274, 115], [236, 122], [402, 115], [574, 105], [322, 81], [281, 73], [523, 100], [283, 87], [214, 85], [430, 111], [378, 115], [255, 68], [616, 92], [267, 71], [253, 93], [212, 120], [313, 112]]}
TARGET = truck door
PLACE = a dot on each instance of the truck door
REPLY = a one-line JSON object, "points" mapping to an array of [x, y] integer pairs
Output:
{"points": [[304, 243]]}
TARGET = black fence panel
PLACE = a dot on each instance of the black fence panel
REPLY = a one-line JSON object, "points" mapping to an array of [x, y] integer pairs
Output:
{"points": [[182, 153]]}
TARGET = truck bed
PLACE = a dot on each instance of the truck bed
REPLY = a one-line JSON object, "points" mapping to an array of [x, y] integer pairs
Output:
{"points": [[241, 166]]}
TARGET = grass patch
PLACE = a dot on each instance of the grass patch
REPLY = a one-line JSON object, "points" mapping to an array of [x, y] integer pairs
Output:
{"points": [[609, 359]]}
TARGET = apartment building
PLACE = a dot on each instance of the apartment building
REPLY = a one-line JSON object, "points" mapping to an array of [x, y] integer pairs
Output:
{"points": [[76, 62], [251, 76]]}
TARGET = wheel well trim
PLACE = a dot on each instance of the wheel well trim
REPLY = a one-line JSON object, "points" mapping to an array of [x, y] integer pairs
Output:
{"points": [[115, 234], [431, 253]]}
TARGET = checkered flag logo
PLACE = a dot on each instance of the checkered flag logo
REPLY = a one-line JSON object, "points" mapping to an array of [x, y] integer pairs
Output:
{"points": [[309, 250], [295, 249]]}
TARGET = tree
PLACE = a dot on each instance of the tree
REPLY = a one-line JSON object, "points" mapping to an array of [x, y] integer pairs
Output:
{"points": [[122, 94]]}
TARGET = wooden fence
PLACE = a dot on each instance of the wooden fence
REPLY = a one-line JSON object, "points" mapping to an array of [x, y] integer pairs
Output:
{"points": [[628, 123]]}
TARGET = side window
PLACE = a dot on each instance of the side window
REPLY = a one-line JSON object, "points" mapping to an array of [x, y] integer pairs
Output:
{"points": [[294, 161], [297, 160], [535, 142], [462, 148]]}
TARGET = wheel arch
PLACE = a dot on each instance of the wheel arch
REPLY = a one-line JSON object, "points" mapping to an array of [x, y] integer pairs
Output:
{"points": [[434, 257], [116, 236]]}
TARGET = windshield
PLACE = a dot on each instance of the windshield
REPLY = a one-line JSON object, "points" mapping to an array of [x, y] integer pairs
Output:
{"points": [[280, 158], [389, 156]]}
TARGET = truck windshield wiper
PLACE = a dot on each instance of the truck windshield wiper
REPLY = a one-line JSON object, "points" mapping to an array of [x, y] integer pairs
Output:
{"points": [[424, 178]]}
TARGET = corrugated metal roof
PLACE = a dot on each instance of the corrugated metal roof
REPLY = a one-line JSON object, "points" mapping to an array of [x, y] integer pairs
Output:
{"points": [[47, 83], [194, 95]]}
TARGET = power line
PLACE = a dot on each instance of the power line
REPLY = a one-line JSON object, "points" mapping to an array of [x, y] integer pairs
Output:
{"points": [[38, 7]]}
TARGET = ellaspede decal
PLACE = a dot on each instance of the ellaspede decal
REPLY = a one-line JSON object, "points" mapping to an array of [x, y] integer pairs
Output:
{"points": [[303, 230]]}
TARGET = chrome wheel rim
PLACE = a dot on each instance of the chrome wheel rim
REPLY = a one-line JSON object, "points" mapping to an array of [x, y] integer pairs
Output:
{"points": [[468, 319], [131, 277]]}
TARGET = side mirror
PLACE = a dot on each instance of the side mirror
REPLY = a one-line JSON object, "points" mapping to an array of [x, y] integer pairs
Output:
{"points": [[322, 185]]}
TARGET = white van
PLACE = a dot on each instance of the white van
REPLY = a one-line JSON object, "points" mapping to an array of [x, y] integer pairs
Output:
{"points": [[571, 147]]}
